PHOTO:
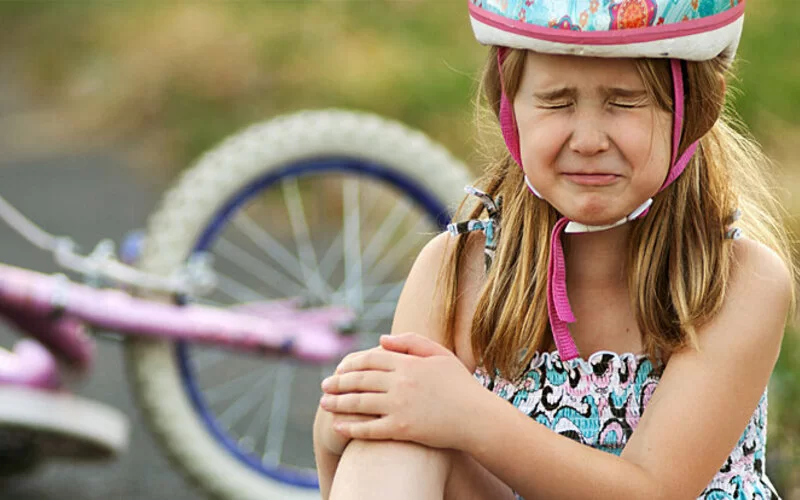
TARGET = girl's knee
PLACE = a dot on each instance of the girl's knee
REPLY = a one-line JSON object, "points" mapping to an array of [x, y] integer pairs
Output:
{"points": [[415, 457], [415, 470], [399, 449]]}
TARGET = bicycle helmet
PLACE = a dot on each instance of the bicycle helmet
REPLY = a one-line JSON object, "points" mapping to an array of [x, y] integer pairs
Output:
{"points": [[695, 30]]}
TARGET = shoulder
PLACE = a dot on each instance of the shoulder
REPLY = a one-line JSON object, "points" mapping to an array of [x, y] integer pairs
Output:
{"points": [[422, 303], [751, 322], [760, 282], [751, 255]]}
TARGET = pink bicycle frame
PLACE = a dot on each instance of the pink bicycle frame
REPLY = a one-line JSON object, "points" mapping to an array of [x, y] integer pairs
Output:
{"points": [[54, 310]]}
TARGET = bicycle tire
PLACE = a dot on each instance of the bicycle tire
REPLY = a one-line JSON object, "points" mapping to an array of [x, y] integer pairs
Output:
{"points": [[175, 227], [60, 425]]}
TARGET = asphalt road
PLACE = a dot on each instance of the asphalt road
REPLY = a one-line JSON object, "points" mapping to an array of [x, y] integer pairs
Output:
{"points": [[88, 197]]}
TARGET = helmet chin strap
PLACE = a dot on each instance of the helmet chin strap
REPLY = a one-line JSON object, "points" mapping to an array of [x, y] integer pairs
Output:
{"points": [[577, 227], [558, 307], [573, 227]]}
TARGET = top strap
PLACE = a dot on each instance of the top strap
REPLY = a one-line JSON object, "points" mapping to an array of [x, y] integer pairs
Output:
{"points": [[490, 226]]}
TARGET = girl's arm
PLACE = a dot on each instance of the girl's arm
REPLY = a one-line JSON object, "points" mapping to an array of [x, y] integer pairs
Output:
{"points": [[419, 309], [326, 458], [694, 420], [326, 464]]}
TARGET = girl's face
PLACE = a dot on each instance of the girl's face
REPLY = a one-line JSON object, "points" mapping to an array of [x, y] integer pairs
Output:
{"points": [[592, 142]]}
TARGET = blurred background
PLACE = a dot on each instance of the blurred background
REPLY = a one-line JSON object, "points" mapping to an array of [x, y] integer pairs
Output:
{"points": [[114, 98]]}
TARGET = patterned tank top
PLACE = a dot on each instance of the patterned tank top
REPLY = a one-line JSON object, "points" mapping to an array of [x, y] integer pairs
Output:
{"points": [[598, 401]]}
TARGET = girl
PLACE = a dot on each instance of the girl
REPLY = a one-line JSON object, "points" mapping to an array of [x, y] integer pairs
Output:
{"points": [[605, 280]]}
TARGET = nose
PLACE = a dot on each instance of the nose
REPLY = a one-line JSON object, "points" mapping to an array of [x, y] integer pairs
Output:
{"points": [[588, 136]]}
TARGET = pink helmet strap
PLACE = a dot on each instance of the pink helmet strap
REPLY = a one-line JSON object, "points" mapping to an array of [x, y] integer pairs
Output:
{"points": [[678, 164], [558, 306], [508, 122]]}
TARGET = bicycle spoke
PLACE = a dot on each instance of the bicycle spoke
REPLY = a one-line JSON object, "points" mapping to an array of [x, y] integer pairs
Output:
{"points": [[336, 249], [383, 235], [269, 245], [276, 431], [205, 359], [381, 310], [245, 403], [378, 304], [258, 425], [308, 258], [375, 327], [352, 246], [231, 388], [267, 274], [393, 293], [236, 290], [332, 257], [373, 319], [395, 254], [382, 289]]}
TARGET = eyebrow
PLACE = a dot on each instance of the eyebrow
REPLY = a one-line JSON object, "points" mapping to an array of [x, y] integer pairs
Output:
{"points": [[560, 93], [623, 92], [571, 92]]}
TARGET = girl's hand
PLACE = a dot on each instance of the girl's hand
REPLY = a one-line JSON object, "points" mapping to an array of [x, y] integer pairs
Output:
{"points": [[418, 390], [326, 437]]}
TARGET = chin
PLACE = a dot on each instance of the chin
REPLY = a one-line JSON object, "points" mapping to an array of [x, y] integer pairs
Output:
{"points": [[596, 221], [594, 214]]}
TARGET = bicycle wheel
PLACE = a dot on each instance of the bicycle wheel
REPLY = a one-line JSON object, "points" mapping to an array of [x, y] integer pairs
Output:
{"points": [[332, 205]]}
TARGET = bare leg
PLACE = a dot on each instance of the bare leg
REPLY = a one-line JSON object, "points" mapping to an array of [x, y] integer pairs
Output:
{"points": [[398, 470]]}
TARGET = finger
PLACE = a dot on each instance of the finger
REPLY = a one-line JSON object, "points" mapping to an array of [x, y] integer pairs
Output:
{"points": [[346, 418], [357, 381], [375, 429], [374, 359], [365, 403], [340, 419], [355, 355], [415, 345]]}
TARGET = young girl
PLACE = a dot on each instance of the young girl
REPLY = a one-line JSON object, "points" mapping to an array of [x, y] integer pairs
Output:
{"points": [[605, 279]]}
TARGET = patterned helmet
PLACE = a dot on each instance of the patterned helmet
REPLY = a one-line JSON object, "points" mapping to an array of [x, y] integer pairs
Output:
{"points": [[695, 30]]}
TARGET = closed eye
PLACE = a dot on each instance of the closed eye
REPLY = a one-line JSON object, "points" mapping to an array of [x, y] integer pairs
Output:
{"points": [[641, 102], [626, 105], [555, 106]]}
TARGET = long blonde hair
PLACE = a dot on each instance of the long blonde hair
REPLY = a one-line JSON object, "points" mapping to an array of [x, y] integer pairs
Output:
{"points": [[678, 260]]}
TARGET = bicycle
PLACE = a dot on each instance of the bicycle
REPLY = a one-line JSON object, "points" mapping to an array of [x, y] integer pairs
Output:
{"points": [[215, 296]]}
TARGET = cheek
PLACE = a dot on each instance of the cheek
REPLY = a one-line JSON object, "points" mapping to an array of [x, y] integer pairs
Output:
{"points": [[646, 143], [541, 139]]}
